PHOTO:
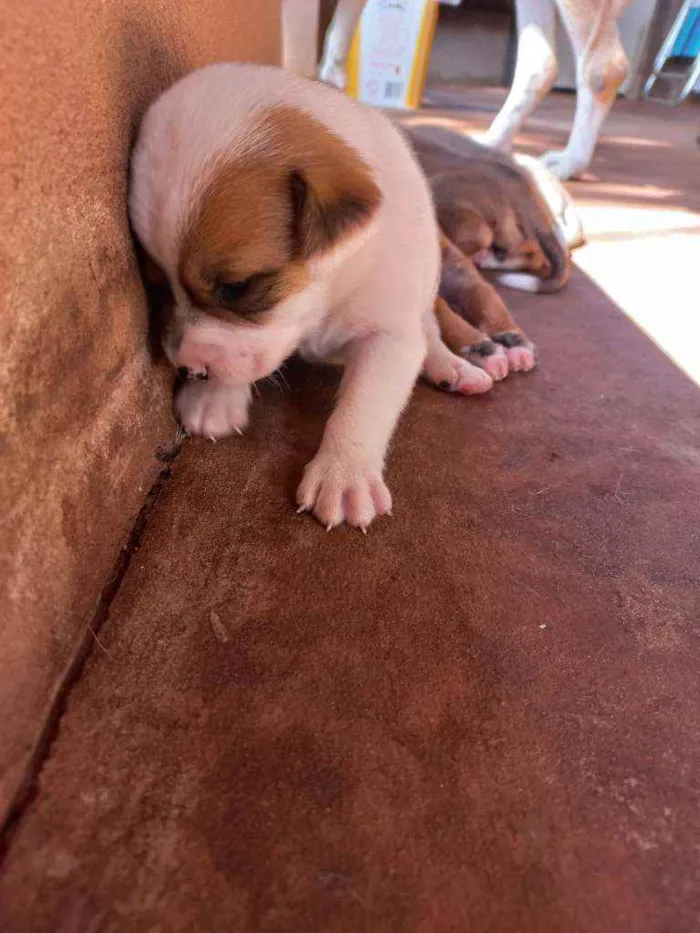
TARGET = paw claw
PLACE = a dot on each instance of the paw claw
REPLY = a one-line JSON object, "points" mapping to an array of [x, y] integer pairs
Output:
{"points": [[211, 410], [338, 491]]}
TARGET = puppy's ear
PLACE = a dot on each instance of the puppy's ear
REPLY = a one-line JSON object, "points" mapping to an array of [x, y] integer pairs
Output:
{"points": [[333, 195]]}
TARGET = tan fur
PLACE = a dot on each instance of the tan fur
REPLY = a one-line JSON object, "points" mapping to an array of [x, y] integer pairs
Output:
{"points": [[475, 300], [260, 218]]}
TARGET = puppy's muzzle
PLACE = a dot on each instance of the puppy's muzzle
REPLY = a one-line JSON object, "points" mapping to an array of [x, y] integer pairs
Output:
{"points": [[185, 373]]}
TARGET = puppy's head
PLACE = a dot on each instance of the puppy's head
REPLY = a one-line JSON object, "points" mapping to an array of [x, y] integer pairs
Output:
{"points": [[266, 223], [494, 215]]}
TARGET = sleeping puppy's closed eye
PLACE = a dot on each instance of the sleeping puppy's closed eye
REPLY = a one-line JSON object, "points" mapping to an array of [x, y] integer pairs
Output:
{"points": [[288, 218]]}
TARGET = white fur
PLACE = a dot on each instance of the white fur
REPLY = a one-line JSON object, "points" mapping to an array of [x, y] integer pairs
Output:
{"points": [[522, 281], [370, 301]]}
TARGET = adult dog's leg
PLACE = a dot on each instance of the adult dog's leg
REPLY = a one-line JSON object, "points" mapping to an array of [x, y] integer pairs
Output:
{"points": [[337, 42], [535, 71], [300, 36], [601, 67]]}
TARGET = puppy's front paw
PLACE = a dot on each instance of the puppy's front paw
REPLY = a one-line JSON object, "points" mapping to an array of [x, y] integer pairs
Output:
{"points": [[338, 491], [212, 410]]}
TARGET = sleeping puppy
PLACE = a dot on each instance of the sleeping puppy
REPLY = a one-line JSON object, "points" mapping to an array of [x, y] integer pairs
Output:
{"points": [[288, 218], [496, 215]]}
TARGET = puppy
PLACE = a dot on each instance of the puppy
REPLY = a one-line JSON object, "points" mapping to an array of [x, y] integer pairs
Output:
{"points": [[494, 214], [601, 65], [288, 218]]}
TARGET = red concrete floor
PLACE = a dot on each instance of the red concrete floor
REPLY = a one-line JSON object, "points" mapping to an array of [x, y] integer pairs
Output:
{"points": [[483, 716]]}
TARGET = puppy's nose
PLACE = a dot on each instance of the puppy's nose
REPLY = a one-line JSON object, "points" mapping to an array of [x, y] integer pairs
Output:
{"points": [[185, 373]]}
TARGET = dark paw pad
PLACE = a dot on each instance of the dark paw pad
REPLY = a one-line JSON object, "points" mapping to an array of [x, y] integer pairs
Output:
{"points": [[510, 339], [485, 348]]}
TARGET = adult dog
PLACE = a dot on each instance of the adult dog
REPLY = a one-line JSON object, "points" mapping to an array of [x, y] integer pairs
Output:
{"points": [[601, 65]]}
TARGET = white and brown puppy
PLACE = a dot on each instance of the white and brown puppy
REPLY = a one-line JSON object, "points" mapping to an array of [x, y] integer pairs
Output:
{"points": [[289, 218]]}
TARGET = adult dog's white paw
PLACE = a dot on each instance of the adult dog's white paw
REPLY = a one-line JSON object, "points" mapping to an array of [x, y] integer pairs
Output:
{"points": [[492, 141], [333, 73], [212, 410], [563, 165], [338, 491]]}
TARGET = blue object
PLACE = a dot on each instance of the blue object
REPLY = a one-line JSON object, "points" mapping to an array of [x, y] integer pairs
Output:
{"points": [[682, 46]]}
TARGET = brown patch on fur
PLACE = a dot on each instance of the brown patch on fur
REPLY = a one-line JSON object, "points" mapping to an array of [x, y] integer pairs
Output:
{"points": [[264, 214], [456, 332]]}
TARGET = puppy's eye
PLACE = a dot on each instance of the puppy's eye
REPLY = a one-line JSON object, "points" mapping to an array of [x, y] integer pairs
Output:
{"points": [[499, 254], [228, 293]]}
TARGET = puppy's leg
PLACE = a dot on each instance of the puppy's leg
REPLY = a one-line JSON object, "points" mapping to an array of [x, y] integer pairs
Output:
{"points": [[212, 410], [344, 483], [535, 71], [300, 36], [337, 42], [445, 369], [494, 319], [601, 67], [465, 340], [465, 290]]}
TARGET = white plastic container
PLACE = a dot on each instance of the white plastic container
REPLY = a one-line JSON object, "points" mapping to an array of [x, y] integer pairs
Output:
{"points": [[389, 56]]}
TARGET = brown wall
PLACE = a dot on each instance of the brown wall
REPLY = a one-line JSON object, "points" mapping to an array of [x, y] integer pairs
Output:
{"points": [[82, 407]]}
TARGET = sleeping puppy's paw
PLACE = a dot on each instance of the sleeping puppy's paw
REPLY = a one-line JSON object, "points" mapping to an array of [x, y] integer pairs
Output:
{"points": [[338, 491], [519, 351], [457, 375], [489, 356], [212, 410]]}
